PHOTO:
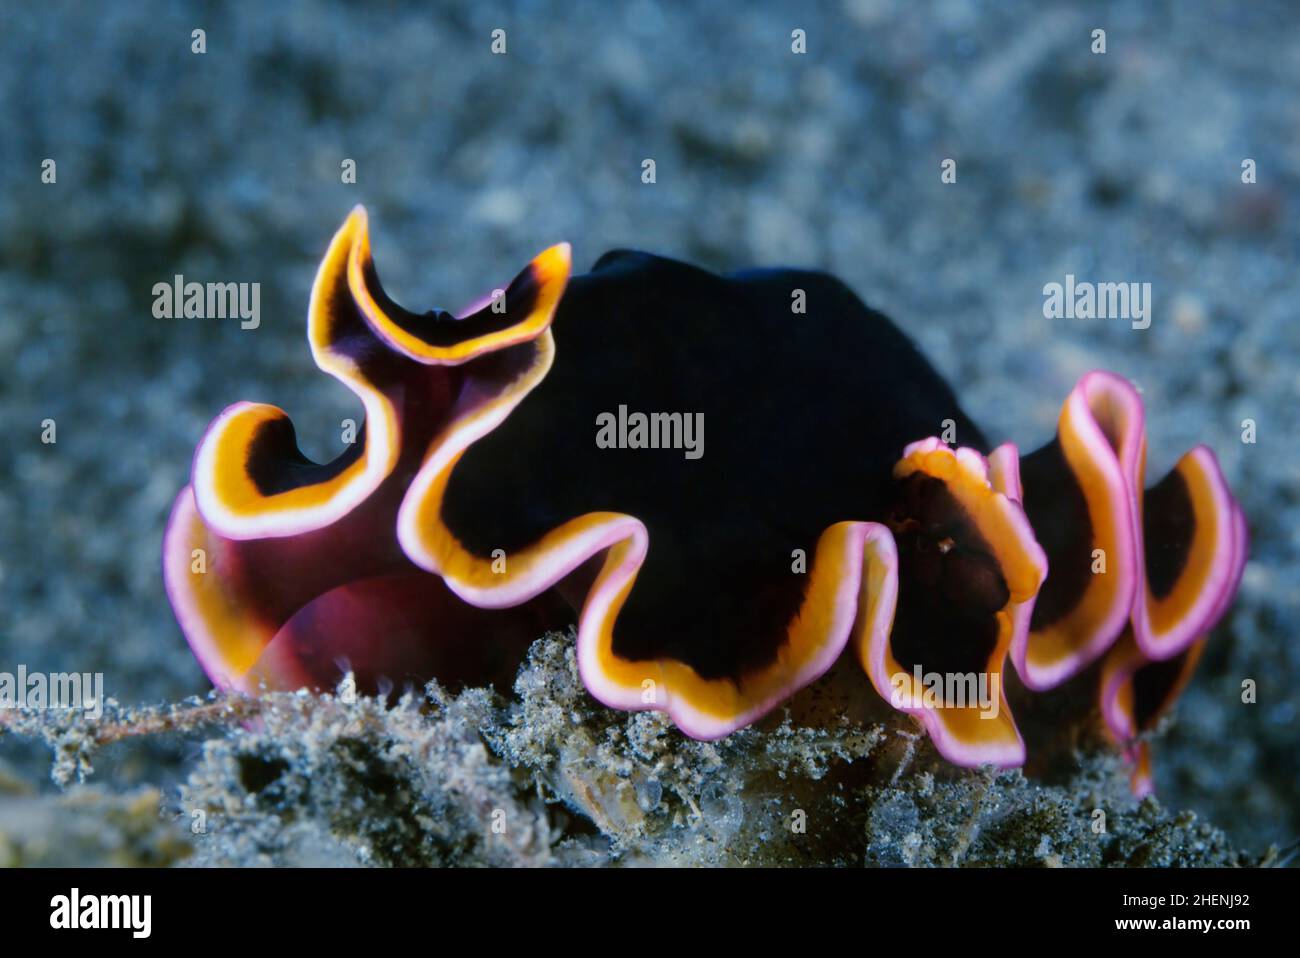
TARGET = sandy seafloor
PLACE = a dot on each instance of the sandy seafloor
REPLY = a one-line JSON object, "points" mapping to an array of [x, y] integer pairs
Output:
{"points": [[1123, 166]]}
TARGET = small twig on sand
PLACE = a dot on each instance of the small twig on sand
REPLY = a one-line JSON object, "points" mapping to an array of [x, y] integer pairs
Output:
{"points": [[179, 718], [152, 720]]}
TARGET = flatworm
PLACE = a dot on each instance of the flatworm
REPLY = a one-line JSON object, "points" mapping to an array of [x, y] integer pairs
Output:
{"points": [[1138, 689], [477, 505]]}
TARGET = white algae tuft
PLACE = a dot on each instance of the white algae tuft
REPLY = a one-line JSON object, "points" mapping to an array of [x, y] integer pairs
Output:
{"points": [[548, 777]]}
